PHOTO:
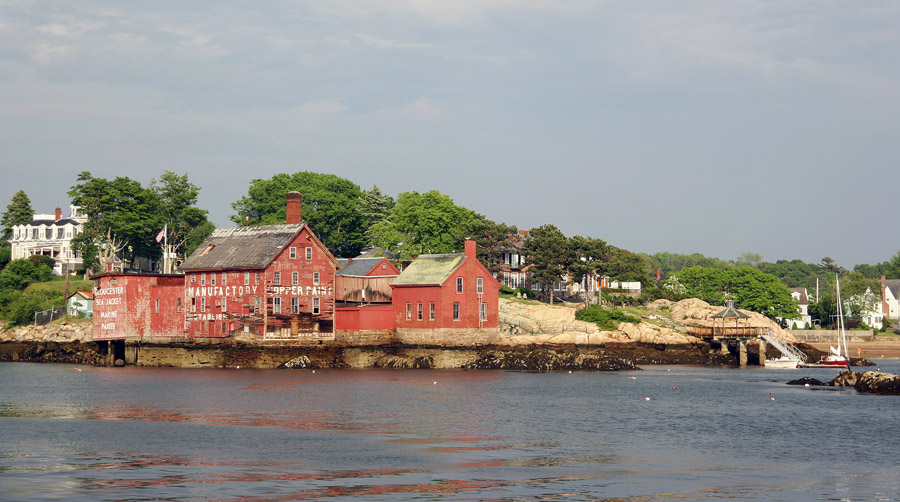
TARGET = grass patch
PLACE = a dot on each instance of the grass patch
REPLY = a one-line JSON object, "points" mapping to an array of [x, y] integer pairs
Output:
{"points": [[60, 286], [605, 319]]}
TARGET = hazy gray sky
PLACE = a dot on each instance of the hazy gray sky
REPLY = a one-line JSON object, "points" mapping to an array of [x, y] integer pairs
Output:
{"points": [[719, 127]]}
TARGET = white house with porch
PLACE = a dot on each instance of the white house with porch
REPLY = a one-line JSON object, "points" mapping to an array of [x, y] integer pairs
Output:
{"points": [[49, 235]]}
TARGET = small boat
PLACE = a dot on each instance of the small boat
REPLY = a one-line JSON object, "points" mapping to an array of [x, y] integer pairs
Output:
{"points": [[783, 362], [840, 355]]}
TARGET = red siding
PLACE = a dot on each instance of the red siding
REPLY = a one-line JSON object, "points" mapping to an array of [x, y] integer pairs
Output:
{"points": [[125, 306], [365, 318], [231, 305], [383, 267], [444, 296]]}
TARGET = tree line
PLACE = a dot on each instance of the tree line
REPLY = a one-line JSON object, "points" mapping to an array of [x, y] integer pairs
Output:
{"points": [[125, 217]]}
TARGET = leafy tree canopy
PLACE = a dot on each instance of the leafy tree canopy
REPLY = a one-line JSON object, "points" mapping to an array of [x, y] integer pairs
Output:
{"points": [[18, 212], [795, 273], [5, 255], [751, 289], [671, 263], [330, 206], [18, 274], [425, 223], [492, 239], [548, 255], [627, 266]]}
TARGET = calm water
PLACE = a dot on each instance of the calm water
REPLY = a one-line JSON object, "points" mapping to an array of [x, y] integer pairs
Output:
{"points": [[269, 435]]}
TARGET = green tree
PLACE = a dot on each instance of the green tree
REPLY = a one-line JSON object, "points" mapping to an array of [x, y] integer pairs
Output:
{"points": [[750, 288], [623, 265], [18, 274], [671, 263], [375, 206], [18, 212], [492, 239], [427, 223], [197, 235], [828, 265], [548, 255], [795, 273], [177, 200], [892, 267], [754, 260], [590, 257], [21, 309], [5, 255], [330, 206]]}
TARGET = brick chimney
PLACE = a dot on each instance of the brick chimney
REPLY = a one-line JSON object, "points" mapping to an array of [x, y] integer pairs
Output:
{"points": [[471, 250], [293, 208], [58, 214]]}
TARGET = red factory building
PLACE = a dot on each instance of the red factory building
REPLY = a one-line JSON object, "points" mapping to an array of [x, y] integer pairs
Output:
{"points": [[279, 283]]}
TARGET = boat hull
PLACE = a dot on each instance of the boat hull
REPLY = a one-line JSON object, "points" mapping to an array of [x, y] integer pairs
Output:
{"points": [[782, 363]]}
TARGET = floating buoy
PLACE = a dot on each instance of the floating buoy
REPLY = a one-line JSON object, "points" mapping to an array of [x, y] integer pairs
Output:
{"points": [[633, 378], [771, 394], [314, 371], [806, 385], [673, 388], [570, 372], [667, 369], [435, 383], [77, 369], [772, 398], [646, 399]]}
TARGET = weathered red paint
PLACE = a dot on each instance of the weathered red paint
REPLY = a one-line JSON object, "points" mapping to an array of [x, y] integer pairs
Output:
{"points": [[383, 267], [221, 302], [379, 317], [137, 305], [445, 296]]}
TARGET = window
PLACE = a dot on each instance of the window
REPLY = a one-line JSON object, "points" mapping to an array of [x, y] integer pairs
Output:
{"points": [[48, 233], [277, 279], [224, 304], [316, 308], [178, 305], [293, 252], [157, 306], [193, 304], [258, 303], [212, 278], [419, 311], [34, 233], [276, 305], [315, 278], [224, 279], [193, 277], [431, 311], [246, 278], [408, 311], [203, 279], [295, 305], [482, 311], [479, 285], [455, 311], [309, 253], [257, 278], [202, 304], [459, 284], [295, 278], [224, 328], [59, 232], [384, 266]]}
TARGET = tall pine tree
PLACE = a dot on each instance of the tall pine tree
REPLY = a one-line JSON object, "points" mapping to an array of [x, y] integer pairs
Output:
{"points": [[18, 212]]}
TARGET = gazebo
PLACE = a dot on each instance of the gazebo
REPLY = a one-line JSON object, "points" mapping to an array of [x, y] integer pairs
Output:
{"points": [[729, 312]]}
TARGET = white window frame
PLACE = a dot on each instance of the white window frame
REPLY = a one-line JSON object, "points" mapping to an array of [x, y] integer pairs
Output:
{"points": [[309, 253], [295, 305], [295, 278], [457, 314], [293, 252], [479, 285], [316, 306], [316, 278], [276, 305], [408, 311], [459, 285]]}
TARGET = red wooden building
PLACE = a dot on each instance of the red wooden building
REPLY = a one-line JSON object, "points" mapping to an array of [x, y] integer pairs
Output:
{"points": [[134, 306], [453, 291], [273, 282]]}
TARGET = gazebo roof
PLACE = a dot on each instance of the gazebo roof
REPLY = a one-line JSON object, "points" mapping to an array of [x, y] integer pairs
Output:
{"points": [[731, 312]]}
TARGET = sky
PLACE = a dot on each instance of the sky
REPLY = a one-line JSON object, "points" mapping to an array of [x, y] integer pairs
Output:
{"points": [[720, 128]]}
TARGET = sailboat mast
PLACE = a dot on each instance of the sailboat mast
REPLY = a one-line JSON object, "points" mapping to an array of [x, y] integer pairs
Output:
{"points": [[843, 338]]}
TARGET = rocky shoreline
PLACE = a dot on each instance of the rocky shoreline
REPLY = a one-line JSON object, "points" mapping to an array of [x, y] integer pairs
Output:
{"points": [[608, 357], [869, 382]]}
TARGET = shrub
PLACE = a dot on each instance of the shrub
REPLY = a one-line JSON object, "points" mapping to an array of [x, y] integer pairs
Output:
{"points": [[506, 290], [21, 310], [605, 319], [527, 293]]}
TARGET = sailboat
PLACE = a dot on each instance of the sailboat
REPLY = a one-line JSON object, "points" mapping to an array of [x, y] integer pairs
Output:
{"points": [[840, 355]]}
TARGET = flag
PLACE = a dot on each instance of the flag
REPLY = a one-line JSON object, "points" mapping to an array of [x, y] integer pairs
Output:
{"points": [[161, 234]]}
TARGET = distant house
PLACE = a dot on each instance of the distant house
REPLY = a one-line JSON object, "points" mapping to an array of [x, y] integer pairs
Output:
{"points": [[801, 296], [890, 298], [365, 280], [80, 303], [513, 271], [449, 291], [50, 235], [869, 308]]}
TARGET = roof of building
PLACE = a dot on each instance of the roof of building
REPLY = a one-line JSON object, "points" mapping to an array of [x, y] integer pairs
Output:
{"points": [[87, 294], [241, 247], [429, 270], [52, 222], [357, 267], [802, 292], [894, 286], [731, 312]]}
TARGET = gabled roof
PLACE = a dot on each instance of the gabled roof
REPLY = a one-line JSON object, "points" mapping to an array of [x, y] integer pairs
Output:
{"points": [[358, 267], [802, 292], [241, 247], [894, 286], [87, 295], [731, 312], [429, 270], [50, 222]]}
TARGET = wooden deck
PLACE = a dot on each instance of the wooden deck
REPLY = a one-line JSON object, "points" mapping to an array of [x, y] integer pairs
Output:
{"points": [[709, 332]]}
